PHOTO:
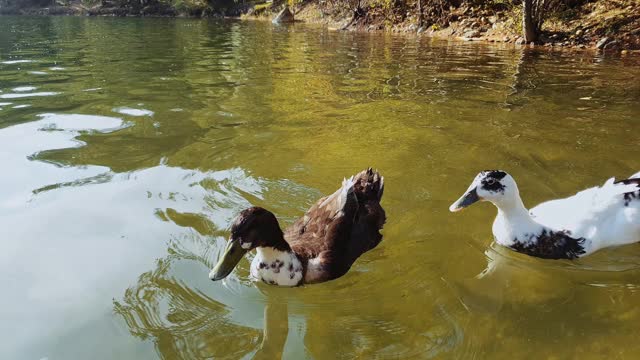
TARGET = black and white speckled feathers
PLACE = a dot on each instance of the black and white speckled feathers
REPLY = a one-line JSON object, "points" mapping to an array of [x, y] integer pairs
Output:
{"points": [[633, 195], [320, 246], [576, 226], [550, 245], [490, 181]]}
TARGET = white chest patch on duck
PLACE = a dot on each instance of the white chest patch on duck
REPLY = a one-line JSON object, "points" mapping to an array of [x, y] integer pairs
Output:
{"points": [[276, 267]]}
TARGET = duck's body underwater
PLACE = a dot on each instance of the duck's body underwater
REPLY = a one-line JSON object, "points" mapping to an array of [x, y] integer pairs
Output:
{"points": [[320, 246]]}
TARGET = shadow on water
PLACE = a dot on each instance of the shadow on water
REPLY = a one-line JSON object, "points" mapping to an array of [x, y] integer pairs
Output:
{"points": [[129, 144]]}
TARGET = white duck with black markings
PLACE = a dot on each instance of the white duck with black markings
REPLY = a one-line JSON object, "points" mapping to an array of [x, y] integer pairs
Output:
{"points": [[568, 228]]}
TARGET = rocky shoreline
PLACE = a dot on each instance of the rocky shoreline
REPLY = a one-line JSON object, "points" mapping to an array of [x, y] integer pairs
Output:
{"points": [[600, 27]]}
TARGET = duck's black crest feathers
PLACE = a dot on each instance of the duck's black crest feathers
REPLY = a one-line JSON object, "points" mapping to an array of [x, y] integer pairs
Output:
{"points": [[496, 174]]}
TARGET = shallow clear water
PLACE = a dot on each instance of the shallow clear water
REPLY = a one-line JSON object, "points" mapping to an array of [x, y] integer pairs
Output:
{"points": [[127, 145]]}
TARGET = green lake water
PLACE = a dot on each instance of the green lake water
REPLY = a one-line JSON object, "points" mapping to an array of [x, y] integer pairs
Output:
{"points": [[127, 146]]}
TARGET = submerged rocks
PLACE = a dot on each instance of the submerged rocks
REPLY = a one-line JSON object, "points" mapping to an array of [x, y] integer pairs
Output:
{"points": [[612, 45], [602, 42], [607, 43], [284, 16]]}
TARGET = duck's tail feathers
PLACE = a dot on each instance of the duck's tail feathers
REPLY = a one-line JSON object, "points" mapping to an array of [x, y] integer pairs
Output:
{"points": [[610, 191], [368, 185], [347, 184], [632, 185], [627, 185]]}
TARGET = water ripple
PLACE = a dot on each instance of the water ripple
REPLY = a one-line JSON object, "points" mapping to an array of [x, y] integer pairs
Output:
{"points": [[11, 62], [26, 95], [110, 226], [24, 88]]}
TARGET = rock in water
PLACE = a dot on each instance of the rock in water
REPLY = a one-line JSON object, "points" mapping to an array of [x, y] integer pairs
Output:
{"points": [[611, 45], [284, 16], [602, 42], [471, 34]]}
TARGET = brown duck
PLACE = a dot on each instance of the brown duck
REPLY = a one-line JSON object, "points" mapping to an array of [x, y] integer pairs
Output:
{"points": [[320, 246]]}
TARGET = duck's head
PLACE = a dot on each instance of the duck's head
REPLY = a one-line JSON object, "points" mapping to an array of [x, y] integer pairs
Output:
{"points": [[253, 227], [495, 186]]}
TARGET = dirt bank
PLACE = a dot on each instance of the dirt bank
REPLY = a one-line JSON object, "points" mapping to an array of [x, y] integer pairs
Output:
{"points": [[602, 25]]}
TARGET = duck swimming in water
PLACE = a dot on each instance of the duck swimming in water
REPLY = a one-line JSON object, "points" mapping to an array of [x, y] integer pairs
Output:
{"points": [[568, 228], [320, 246]]}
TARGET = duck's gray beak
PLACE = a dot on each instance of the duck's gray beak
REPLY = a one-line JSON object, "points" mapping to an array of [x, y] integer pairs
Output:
{"points": [[470, 197], [231, 257]]}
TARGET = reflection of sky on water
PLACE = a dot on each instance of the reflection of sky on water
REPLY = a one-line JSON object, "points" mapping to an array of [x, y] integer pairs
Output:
{"points": [[143, 238], [26, 95], [11, 62], [133, 112], [58, 280]]}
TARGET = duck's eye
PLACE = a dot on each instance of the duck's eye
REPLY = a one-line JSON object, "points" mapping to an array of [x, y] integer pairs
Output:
{"points": [[491, 181]]}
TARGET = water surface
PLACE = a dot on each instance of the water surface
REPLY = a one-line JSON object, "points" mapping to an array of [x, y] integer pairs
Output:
{"points": [[127, 145]]}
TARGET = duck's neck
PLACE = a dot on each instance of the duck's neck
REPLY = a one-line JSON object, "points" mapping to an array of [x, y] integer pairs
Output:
{"points": [[514, 224], [268, 253], [277, 266]]}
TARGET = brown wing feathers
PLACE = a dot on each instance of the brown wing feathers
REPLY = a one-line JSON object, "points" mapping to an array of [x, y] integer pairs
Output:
{"points": [[369, 185], [341, 227], [371, 216]]}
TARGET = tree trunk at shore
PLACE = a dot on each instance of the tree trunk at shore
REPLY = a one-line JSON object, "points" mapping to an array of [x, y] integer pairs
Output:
{"points": [[529, 27]]}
